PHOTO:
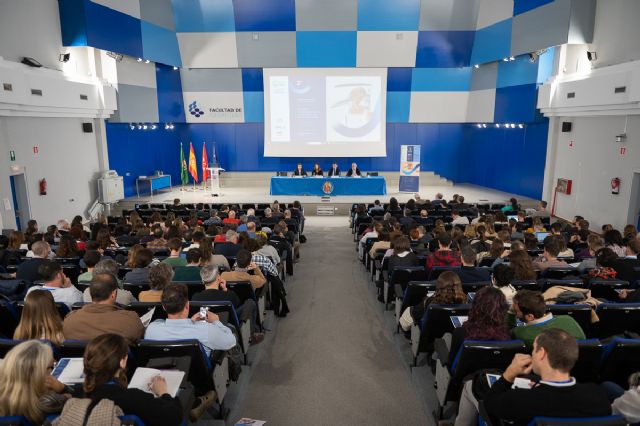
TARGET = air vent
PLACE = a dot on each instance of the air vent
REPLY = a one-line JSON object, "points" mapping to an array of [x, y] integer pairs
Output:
{"points": [[620, 89], [571, 95], [84, 97], [7, 87], [36, 92]]}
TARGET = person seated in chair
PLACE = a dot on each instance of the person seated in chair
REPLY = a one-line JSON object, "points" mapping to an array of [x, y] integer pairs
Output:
{"points": [[334, 170], [468, 272], [554, 393], [230, 247], [242, 270], [625, 266], [140, 273], [191, 272], [529, 307], [299, 171], [549, 258], [444, 256], [28, 270], [354, 171], [57, 283], [317, 171]]}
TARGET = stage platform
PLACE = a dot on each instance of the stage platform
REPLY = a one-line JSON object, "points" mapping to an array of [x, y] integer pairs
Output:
{"points": [[234, 191]]}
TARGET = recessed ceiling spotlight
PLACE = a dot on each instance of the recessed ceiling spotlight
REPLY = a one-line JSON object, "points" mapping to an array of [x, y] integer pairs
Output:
{"points": [[479, 126], [476, 66], [139, 59], [484, 126], [505, 59], [497, 125], [144, 127], [511, 58], [131, 126], [153, 127], [139, 126], [175, 68], [521, 126], [147, 61]]}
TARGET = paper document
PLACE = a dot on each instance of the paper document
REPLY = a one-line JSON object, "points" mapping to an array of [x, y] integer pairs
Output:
{"points": [[146, 318], [246, 421], [69, 370], [142, 379]]}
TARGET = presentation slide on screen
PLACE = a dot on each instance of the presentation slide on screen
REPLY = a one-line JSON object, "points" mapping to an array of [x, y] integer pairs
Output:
{"points": [[325, 112]]}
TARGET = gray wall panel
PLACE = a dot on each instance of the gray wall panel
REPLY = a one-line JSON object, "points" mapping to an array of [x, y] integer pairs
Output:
{"points": [[448, 15], [136, 104], [211, 80], [270, 49], [484, 77], [158, 12], [540, 28], [326, 15]]}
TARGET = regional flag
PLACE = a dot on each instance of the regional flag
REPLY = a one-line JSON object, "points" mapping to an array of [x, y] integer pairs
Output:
{"points": [[193, 165], [184, 176], [205, 163]]}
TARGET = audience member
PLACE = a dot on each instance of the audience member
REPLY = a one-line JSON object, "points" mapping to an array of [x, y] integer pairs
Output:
{"points": [[468, 272], [191, 272], [91, 259], [102, 315], [27, 387], [140, 272], [105, 362], [549, 258], [246, 270], [28, 270], [56, 282], [40, 318], [448, 292], [159, 276], [502, 277], [109, 266], [529, 307], [554, 393], [230, 247], [444, 256]]}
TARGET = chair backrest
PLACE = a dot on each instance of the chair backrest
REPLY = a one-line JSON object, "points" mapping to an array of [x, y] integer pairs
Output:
{"points": [[560, 272], [580, 313], [436, 321], [415, 292], [6, 345], [606, 289], [547, 283], [14, 421], [587, 368], [437, 270], [487, 261], [192, 286], [476, 355], [135, 289], [72, 348], [616, 318], [9, 319], [404, 274], [525, 285], [141, 308], [474, 287], [587, 421], [201, 369], [621, 358], [243, 289]]}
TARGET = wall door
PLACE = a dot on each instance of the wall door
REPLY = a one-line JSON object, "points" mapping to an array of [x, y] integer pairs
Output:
{"points": [[633, 216], [20, 200]]}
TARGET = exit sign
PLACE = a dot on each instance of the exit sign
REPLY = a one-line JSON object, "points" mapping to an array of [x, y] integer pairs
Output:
{"points": [[12, 155]]}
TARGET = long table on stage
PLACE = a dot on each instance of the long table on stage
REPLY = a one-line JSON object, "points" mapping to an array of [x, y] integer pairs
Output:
{"points": [[370, 185]]}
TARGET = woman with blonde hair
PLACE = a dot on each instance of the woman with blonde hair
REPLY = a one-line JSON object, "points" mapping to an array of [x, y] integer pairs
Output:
{"points": [[40, 318], [26, 385], [159, 276], [131, 257], [470, 232], [16, 240]]}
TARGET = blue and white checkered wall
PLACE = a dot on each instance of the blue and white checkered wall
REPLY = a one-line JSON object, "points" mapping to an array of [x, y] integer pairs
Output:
{"points": [[429, 46]]}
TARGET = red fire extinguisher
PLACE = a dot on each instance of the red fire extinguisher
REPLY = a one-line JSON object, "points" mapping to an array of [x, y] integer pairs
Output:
{"points": [[615, 185], [43, 186]]}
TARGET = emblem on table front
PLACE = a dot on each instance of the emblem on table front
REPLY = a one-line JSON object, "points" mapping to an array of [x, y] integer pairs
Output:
{"points": [[327, 188]]}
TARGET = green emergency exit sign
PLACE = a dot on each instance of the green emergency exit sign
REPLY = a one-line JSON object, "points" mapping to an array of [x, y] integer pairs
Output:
{"points": [[12, 154]]}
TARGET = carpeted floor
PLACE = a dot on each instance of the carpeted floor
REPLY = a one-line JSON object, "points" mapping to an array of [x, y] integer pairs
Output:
{"points": [[333, 360]]}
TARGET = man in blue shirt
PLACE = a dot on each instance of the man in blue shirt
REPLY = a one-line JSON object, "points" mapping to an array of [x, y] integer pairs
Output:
{"points": [[178, 326]]}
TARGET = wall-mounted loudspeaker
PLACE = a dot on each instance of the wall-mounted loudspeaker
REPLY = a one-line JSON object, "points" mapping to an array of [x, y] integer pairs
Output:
{"points": [[566, 126], [87, 127]]}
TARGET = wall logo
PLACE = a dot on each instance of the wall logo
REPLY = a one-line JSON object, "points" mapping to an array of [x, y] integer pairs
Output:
{"points": [[194, 110], [327, 188]]}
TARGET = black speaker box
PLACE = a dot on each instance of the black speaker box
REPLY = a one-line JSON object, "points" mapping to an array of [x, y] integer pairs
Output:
{"points": [[87, 127], [566, 126]]}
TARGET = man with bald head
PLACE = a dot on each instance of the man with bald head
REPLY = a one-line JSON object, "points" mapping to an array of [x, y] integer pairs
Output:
{"points": [[29, 270]]}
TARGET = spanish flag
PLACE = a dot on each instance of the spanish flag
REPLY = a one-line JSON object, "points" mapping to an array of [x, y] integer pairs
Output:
{"points": [[193, 165]]}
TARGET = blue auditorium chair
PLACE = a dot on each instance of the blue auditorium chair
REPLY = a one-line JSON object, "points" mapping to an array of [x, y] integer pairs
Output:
{"points": [[616, 318], [435, 322], [580, 313], [621, 358], [411, 296], [587, 421]]}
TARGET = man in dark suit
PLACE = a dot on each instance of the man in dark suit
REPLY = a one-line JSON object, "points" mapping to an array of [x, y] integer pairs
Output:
{"points": [[29, 270], [625, 265], [299, 171], [334, 170], [230, 247], [468, 272], [354, 171]]}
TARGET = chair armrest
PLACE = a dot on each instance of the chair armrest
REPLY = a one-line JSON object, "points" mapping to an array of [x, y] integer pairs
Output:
{"points": [[441, 348]]}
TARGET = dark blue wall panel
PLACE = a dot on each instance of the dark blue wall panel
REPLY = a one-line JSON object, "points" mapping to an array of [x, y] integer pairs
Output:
{"points": [[522, 6], [252, 80], [265, 15], [516, 104], [399, 79], [444, 49], [510, 160], [72, 23], [111, 30], [170, 101]]}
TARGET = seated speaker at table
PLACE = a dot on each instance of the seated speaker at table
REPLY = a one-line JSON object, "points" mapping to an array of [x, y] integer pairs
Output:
{"points": [[299, 171], [334, 170], [317, 171], [353, 171]]}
